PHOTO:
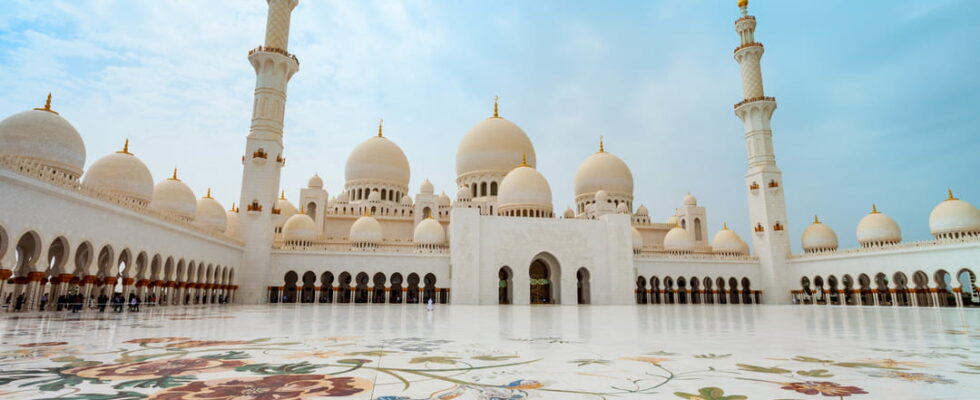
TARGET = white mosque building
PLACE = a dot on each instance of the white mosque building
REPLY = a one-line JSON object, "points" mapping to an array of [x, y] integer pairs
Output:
{"points": [[497, 240]]}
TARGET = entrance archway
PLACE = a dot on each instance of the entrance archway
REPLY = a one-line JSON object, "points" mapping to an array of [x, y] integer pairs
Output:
{"points": [[413, 289], [289, 292], [309, 288], [504, 285], [429, 290], [584, 290], [545, 275], [344, 291], [326, 287], [378, 295], [395, 295], [361, 294]]}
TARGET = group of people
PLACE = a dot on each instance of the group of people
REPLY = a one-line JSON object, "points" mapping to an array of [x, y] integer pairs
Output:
{"points": [[76, 301]]}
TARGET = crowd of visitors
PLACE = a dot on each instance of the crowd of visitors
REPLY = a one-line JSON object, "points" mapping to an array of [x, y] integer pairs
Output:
{"points": [[76, 302]]}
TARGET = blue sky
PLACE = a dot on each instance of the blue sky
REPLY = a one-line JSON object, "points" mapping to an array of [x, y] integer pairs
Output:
{"points": [[877, 99]]}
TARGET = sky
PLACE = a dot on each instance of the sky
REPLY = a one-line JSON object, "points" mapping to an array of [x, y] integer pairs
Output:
{"points": [[877, 99]]}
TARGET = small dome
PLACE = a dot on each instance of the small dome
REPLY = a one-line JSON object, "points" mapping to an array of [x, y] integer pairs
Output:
{"points": [[444, 200], [43, 136], [315, 182], [690, 200], [673, 220], [524, 187], [464, 194], [876, 229], [603, 171], [726, 241], [427, 188], [285, 207], [569, 213], [679, 240], [621, 208], [122, 173], [210, 214], [378, 159], [601, 197], [375, 196], [819, 237], [232, 226], [637, 239], [406, 200], [493, 145], [430, 232], [173, 196], [343, 197], [366, 230], [954, 217], [299, 228], [642, 211]]}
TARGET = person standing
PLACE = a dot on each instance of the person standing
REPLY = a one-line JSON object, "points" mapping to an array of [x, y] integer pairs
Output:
{"points": [[20, 303], [428, 305], [103, 299], [44, 301]]}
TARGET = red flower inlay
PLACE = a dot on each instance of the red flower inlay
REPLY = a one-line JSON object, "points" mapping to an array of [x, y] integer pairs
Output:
{"points": [[272, 387]]}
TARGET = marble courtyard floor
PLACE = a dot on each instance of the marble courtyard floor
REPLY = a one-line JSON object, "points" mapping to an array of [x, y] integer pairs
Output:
{"points": [[389, 352]]}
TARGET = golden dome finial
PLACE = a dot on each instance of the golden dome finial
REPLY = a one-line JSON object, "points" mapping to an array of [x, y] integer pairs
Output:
{"points": [[381, 122], [949, 192], [524, 159], [874, 208], [282, 195], [744, 5], [724, 226], [233, 207], [125, 149], [208, 195], [47, 106], [816, 220], [602, 147], [174, 176], [496, 108]]}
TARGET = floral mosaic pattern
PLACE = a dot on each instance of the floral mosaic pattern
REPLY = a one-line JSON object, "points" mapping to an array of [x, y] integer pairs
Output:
{"points": [[217, 353]]}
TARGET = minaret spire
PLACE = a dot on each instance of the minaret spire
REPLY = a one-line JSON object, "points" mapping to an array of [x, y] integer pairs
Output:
{"points": [[496, 106], [767, 207]]}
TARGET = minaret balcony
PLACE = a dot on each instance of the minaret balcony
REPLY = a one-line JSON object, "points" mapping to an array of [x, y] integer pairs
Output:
{"points": [[747, 45], [754, 100], [273, 50]]}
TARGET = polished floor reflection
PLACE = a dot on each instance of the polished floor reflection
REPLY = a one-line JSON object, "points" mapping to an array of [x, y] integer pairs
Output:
{"points": [[493, 352]]}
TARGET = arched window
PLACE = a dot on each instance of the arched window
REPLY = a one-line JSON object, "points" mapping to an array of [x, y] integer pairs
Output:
{"points": [[311, 210], [473, 187], [697, 229], [493, 188], [684, 224], [483, 189], [384, 194]]}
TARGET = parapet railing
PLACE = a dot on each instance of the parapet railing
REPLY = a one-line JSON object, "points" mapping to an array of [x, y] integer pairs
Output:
{"points": [[886, 247], [58, 178]]}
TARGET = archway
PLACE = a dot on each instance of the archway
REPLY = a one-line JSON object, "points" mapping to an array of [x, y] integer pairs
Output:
{"points": [[289, 292], [867, 298], [881, 285], [26, 253], [309, 288], [378, 296], [505, 285], [848, 290], [695, 290], [722, 294], [413, 289], [584, 290], [821, 295], [733, 290], [668, 290], [681, 290], [326, 287], [945, 295], [361, 292], [832, 291], [344, 294], [747, 292], [395, 296], [429, 290], [968, 288], [545, 276], [641, 290], [655, 290], [902, 297], [709, 296], [806, 292], [921, 281]]}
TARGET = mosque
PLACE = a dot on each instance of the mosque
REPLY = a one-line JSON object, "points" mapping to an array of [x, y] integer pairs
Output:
{"points": [[498, 240]]}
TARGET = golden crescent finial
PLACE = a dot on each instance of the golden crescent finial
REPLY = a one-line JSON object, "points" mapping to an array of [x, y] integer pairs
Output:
{"points": [[282, 195], [496, 109], [233, 207], [524, 159], [602, 147], [380, 124], [208, 196], [874, 208], [125, 149], [47, 106], [816, 220], [950, 193], [724, 225], [174, 176]]}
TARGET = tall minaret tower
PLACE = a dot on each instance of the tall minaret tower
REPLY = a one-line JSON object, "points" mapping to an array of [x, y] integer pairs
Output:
{"points": [[764, 182], [263, 158]]}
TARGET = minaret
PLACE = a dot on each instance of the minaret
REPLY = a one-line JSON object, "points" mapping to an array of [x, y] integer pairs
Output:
{"points": [[263, 158], [763, 181]]}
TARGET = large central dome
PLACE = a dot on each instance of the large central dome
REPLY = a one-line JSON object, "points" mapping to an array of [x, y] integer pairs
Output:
{"points": [[494, 145], [378, 159]]}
